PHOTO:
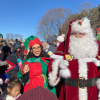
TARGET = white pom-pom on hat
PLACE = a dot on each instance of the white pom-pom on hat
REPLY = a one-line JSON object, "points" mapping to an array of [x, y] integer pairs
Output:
{"points": [[61, 38]]}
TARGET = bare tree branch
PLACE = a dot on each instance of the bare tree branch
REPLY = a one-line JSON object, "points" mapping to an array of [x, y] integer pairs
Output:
{"points": [[51, 22]]}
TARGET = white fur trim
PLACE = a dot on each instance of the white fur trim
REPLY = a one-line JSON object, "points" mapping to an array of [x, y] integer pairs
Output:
{"points": [[98, 83], [94, 60], [82, 68], [75, 27], [53, 56], [99, 95], [83, 73], [83, 94], [53, 75], [65, 73], [98, 87]]}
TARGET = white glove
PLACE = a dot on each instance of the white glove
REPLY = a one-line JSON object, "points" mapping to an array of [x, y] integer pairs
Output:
{"points": [[63, 64]]}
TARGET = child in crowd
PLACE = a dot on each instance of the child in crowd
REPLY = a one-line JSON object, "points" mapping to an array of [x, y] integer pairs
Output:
{"points": [[13, 89], [52, 44]]}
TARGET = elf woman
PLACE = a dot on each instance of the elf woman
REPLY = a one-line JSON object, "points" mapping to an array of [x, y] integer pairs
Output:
{"points": [[34, 69]]}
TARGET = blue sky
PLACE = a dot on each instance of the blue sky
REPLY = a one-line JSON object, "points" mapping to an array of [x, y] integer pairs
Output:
{"points": [[22, 16]]}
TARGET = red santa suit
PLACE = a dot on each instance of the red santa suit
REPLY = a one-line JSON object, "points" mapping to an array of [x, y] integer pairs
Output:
{"points": [[79, 75]]}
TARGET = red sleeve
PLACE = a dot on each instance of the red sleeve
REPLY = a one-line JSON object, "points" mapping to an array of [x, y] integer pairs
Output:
{"points": [[50, 68], [50, 65], [98, 57], [25, 51]]}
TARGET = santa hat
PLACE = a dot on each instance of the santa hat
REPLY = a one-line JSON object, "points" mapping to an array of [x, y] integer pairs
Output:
{"points": [[80, 25], [98, 29], [77, 25], [38, 93], [30, 41], [61, 38]]}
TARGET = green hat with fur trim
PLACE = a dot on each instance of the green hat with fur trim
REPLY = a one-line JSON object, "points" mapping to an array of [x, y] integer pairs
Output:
{"points": [[30, 41]]}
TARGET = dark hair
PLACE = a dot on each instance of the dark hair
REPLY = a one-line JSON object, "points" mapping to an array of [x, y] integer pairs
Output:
{"points": [[16, 40], [6, 49], [13, 82], [20, 53], [42, 54], [11, 46]]}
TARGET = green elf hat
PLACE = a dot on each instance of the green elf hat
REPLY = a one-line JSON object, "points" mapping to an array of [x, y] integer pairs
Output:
{"points": [[1, 35], [30, 41]]}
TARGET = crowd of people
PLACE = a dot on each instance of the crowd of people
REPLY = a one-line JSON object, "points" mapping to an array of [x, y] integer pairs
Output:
{"points": [[57, 69]]}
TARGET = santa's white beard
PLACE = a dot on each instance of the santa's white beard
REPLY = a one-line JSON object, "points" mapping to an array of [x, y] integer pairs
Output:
{"points": [[83, 47]]}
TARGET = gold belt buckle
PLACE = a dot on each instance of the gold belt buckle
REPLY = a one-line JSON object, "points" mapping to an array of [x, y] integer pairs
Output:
{"points": [[83, 78]]}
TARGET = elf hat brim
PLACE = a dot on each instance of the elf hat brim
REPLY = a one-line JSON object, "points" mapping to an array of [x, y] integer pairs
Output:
{"points": [[33, 42], [98, 29]]}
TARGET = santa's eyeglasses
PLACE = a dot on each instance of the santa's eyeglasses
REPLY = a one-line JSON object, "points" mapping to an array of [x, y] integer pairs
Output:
{"points": [[76, 33]]}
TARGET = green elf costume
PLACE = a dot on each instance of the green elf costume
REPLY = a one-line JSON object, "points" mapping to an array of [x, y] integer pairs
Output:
{"points": [[38, 68]]}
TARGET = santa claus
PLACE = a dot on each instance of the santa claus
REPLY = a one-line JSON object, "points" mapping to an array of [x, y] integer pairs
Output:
{"points": [[75, 61]]}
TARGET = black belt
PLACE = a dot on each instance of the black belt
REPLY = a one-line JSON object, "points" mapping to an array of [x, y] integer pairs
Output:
{"points": [[80, 82]]}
